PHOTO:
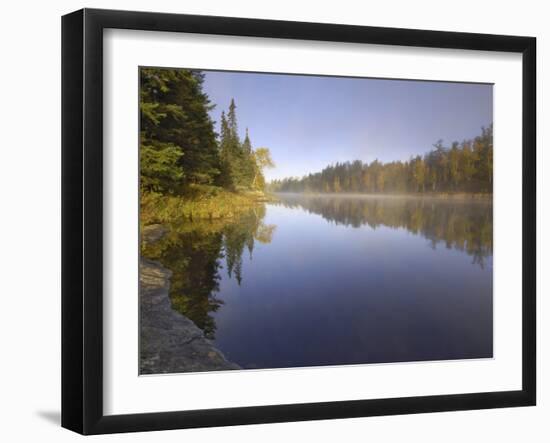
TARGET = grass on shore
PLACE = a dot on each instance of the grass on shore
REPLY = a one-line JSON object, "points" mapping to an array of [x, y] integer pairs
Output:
{"points": [[199, 202]]}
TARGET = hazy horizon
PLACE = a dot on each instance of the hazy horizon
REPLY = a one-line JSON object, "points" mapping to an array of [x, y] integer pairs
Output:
{"points": [[310, 122]]}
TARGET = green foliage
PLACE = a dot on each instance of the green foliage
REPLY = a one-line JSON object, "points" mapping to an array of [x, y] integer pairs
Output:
{"points": [[177, 137], [465, 167], [200, 202], [260, 160], [242, 166], [159, 170], [178, 145]]}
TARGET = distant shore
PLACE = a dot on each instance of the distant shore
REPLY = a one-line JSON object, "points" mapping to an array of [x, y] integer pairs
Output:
{"points": [[446, 195]]}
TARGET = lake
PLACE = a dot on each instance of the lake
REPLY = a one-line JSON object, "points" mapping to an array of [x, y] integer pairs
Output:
{"points": [[333, 280]]}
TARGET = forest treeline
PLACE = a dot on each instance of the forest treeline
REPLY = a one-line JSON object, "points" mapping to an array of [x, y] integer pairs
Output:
{"points": [[179, 146], [461, 167]]}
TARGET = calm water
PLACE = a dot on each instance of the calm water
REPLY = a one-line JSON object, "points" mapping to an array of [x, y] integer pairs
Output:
{"points": [[339, 280]]}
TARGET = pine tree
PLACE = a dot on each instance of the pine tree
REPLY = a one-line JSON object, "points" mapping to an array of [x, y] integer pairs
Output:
{"points": [[232, 122], [248, 162], [193, 130], [226, 179], [235, 155], [159, 155], [239, 169], [177, 138], [247, 146], [179, 148]]}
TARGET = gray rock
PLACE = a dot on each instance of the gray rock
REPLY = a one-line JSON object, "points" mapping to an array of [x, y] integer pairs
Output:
{"points": [[152, 233], [169, 341]]}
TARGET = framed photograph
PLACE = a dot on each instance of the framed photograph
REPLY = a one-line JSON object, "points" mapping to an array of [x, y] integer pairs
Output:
{"points": [[269, 221]]}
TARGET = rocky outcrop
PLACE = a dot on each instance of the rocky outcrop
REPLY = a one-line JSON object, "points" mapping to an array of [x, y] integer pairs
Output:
{"points": [[169, 341], [152, 233]]}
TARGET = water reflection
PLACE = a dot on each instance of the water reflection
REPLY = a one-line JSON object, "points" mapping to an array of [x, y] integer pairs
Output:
{"points": [[352, 286], [195, 252], [462, 224]]}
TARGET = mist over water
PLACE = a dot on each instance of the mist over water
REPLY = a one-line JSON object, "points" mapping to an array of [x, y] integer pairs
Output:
{"points": [[326, 280]]}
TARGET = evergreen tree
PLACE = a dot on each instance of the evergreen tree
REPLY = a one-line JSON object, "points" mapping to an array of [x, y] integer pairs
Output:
{"points": [[180, 151], [248, 162], [247, 146], [159, 155], [241, 165], [226, 178], [232, 122], [233, 155], [177, 138]]}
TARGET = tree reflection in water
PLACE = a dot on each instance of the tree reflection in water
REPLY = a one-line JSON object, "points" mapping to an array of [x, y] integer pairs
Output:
{"points": [[194, 252], [463, 224]]}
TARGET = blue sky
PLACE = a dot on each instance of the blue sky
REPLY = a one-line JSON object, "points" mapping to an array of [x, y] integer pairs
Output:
{"points": [[310, 122]]}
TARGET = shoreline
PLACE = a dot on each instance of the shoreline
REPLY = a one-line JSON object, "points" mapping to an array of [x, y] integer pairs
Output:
{"points": [[169, 342], [427, 195], [213, 204]]}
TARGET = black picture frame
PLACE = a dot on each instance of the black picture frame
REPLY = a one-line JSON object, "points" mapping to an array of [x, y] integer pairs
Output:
{"points": [[82, 220]]}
